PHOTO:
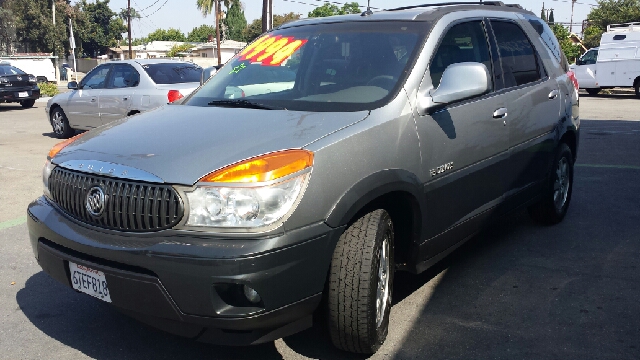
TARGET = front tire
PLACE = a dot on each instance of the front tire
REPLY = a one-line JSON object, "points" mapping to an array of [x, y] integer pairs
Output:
{"points": [[27, 103], [361, 284], [60, 124], [556, 195]]}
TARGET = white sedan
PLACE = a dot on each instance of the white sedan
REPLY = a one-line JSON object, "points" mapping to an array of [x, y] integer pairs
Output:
{"points": [[118, 89]]}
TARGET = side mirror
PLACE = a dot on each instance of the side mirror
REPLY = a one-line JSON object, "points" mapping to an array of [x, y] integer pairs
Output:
{"points": [[72, 85], [461, 81], [207, 73], [579, 62]]}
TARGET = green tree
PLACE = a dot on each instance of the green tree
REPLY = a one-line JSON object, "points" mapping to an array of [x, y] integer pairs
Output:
{"points": [[571, 50], [255, 28], [235, 21], [201, 33], [551, 18], [543, 14], [7, 28], [606, 13], [124, 14], [179, 48], [329, 9], [170, 34], [96, 26]]}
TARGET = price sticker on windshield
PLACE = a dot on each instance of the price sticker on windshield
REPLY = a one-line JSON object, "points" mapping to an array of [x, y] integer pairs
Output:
{"points": [[271, 50]]}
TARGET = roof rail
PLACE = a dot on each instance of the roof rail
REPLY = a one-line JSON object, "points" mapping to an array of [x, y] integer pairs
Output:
{"points": [[488, 3], [631, 26]]}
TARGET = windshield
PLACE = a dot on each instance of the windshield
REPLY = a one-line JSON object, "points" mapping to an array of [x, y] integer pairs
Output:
{"points": [[10, 70], [327, 67], [173, 73]]}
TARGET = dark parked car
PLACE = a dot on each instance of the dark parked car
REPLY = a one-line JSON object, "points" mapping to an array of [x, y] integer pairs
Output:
{"points": [[16, 86], [380, 143]]}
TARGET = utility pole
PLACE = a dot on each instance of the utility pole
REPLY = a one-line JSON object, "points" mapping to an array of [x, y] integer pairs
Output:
{"points": [[217, 3], [267, 15], [571, 21], [129, 27], [55, 60]]}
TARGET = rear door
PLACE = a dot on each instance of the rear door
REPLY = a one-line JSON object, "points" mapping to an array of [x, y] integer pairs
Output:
{"points": [[464, 145], [83, 107], [115, 100], [534, 104]]}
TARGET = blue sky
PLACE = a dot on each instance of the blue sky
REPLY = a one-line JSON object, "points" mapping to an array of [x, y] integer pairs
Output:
{"points": [[184, 15]]}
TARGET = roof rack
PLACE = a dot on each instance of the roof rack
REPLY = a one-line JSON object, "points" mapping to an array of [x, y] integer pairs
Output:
{"points": [[488, 3], [632, 26]]}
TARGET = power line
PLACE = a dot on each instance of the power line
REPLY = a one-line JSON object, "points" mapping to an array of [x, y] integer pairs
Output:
{"points": [[330, 2], [158, 9], [155, 2]]}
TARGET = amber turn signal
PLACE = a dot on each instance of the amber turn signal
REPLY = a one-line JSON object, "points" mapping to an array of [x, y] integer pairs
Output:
{"points": [[263, 168], [59, 146]]}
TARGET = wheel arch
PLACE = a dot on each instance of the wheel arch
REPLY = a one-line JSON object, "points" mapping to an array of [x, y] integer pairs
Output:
{"points": [[571, 139], [53, 107], [399, 193]]}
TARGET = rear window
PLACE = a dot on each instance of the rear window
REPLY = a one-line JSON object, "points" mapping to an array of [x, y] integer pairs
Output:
{"points": [[10, 70], [173, 73]]}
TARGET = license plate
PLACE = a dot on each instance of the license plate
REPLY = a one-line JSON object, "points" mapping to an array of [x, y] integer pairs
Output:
{"points": [[89, 281], [23, 94]]}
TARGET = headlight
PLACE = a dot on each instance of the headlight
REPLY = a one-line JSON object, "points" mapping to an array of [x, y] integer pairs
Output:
{"points": [[243, 207], [253, 193], [46, 172]]}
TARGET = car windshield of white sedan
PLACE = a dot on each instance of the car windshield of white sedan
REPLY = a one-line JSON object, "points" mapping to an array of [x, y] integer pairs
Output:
{"points": [[173, 73], [10, 70], [326, 67]]}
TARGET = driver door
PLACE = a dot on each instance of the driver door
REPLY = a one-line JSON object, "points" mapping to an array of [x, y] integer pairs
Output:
{"points": [[586, 70], [83, 108]]}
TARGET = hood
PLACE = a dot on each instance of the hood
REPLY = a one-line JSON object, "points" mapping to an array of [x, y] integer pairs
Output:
{"points": [[180, 144]]}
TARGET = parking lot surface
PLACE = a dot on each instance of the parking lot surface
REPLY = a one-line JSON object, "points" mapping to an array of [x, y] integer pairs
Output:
{"points": [[518, 290]]}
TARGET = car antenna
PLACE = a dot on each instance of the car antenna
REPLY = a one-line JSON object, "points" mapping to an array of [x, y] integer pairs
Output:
{"points": [[368, 12]]}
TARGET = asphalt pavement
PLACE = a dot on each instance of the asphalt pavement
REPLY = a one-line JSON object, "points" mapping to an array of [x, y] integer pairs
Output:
{"points": [[519, 290]]}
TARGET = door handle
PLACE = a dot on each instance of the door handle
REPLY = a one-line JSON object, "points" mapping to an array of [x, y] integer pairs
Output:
{"points": [[500, 113], [125, 98], [93, 99], [553, 94]]}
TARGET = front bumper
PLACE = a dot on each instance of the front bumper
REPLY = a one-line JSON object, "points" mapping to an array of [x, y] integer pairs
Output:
{"points": [[13, 95], [176, 280]]}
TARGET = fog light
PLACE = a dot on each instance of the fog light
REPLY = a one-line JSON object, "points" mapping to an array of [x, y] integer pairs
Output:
{"points": [[251, 295]]}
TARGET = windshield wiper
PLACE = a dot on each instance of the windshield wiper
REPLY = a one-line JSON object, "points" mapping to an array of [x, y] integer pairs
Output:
{"points": [[244, 104]]}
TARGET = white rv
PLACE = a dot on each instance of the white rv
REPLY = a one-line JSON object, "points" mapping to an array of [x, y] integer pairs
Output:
{"points": [[616, 63], [39, 66]]}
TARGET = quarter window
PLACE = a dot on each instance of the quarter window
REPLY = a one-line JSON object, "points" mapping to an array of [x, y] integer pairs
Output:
{"points": [[464, 42], [519, 63]]}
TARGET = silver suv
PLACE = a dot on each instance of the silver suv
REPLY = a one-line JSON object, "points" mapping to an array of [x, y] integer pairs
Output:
{"points": [[359, 146]]}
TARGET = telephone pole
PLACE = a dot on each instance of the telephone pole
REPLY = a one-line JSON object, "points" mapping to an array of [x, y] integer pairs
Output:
{"points": [[55, 60], [129, 27], [217, 9], [571, 21], [267, 15]]}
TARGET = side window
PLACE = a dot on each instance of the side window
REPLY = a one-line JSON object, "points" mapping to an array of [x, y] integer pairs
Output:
{"points": [[519, 62], [590, 57], [123, 76], [96, 79], [462, 43]]}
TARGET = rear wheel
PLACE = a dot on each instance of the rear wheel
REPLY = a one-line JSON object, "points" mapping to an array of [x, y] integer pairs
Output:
{"points": [[593, 91], [557, 192], [60, 124], [637, 87], [27, 103], [361, 283]]}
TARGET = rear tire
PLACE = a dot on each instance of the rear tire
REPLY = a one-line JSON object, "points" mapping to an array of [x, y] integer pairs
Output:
{"points": [[593, 91], [637, 87], [556, 195], [27, 103], [361, 284], [60, 124]]}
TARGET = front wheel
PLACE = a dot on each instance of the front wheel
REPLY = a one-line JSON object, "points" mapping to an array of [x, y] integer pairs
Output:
{"points": [[557, 192], [60, 124], [27, 103], [361, 283]]}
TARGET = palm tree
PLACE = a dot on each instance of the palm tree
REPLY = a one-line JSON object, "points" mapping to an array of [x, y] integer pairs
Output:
{"points": [[206, 7]]}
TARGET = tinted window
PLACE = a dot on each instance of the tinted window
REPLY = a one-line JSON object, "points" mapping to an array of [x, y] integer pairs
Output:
{"points": [[123, 76], [325, 67], [590, 57], [519, 63], [10, 70], [96, 79], [462, 43], [169, 73]]}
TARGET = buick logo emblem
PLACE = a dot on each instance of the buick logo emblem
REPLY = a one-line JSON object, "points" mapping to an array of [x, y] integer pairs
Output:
{"points": [[95, 201]]}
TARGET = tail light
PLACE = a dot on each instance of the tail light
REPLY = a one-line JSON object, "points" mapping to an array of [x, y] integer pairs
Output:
{"points": [[174, 95], [573, 78]]}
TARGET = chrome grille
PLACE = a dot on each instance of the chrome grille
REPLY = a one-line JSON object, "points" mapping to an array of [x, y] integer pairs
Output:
{"points": [[128, 205]]}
